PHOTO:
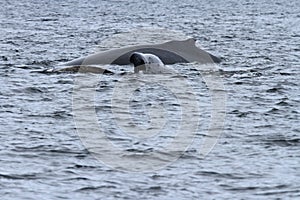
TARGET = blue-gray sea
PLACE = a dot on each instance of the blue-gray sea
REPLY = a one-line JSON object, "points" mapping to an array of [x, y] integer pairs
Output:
{"points": [[257, 156]]}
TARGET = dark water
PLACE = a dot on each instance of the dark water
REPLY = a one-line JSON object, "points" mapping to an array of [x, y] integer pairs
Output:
{"points": [[257, 155]]}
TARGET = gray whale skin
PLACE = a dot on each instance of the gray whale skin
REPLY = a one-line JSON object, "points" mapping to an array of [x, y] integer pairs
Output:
{"points": [[169, 52]]}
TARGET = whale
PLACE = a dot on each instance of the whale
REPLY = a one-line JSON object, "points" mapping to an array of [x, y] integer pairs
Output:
{"points": [[171, 52], [148, 64]]}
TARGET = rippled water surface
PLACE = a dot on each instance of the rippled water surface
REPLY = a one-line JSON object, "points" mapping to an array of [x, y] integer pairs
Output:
{"points": [[257, 156]]}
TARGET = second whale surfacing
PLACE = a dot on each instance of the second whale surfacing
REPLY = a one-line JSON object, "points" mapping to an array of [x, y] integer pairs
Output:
{"points": [[169, 53]]}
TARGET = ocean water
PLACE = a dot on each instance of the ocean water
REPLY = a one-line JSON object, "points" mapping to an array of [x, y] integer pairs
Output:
{"points": [[44, 153]]}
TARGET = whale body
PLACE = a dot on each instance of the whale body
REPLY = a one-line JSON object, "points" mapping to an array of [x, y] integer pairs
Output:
{"points": [[169, 53]]}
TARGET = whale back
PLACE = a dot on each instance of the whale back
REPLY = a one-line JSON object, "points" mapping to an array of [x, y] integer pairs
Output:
{"points": [[167, 57], [170, 53]]}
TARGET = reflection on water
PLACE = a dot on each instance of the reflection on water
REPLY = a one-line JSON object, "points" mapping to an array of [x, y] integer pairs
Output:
{"points": [[150, 115]]}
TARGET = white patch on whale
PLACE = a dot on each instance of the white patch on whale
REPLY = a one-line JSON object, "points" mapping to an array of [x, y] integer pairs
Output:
{"points": [[148, 64]]}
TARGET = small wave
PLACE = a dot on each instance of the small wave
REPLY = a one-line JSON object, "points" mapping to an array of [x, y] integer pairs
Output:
{"points": [[251, 188], [274, 90], [92, 188], [19, 176], [283, 142], [44, 63]]}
